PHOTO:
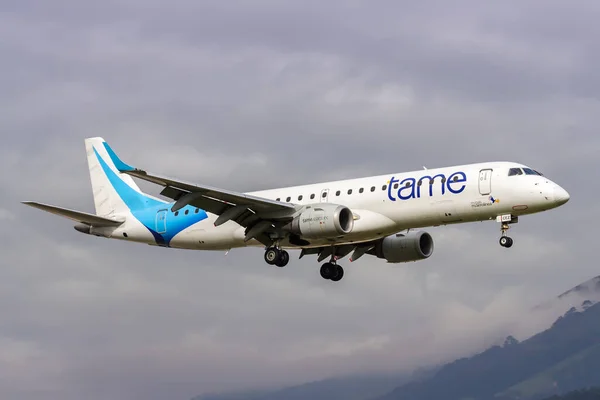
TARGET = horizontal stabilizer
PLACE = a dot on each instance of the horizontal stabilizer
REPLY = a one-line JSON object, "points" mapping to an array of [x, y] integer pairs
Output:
{"points": [[86, 218]]}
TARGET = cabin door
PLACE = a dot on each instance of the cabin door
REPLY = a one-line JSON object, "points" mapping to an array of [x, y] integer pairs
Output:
{"points": [[161, 221], [485, 182]]}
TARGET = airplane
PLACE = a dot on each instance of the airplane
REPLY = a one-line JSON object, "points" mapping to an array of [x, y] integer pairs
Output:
{"points": [[380, 216]]}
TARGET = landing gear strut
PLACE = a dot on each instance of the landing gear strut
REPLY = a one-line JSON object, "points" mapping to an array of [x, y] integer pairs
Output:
{"points": [[278, 257], [332, 271], [506, 241]]}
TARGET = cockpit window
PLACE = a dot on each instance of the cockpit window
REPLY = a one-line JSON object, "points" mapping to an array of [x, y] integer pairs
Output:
{"points": [[518, 171], [529, 171], [515, 171]]}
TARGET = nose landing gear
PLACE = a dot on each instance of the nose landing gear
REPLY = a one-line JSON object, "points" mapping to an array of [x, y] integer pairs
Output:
{"points": [[505, 220]]}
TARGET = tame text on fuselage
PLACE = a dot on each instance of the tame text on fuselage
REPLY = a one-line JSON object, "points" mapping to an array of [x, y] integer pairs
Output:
{"points": [[410, 188]]}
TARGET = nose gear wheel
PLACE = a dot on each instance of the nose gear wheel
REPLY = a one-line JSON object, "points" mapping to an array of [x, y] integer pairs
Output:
{"points": [[506, 241]]}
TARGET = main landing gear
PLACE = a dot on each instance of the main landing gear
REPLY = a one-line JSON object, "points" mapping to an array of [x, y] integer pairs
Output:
{"points": [[278, 257], [332, 271]]}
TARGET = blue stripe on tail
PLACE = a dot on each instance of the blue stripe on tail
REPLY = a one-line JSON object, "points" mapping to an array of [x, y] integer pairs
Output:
{"points": [[120, 165], [145, 208]]}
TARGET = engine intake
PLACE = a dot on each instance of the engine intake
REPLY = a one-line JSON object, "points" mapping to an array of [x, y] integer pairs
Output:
{"points": [[322, 221], [399, 248]]}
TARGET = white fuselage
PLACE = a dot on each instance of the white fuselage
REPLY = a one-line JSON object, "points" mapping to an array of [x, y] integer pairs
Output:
{"points": [[382, 205]]}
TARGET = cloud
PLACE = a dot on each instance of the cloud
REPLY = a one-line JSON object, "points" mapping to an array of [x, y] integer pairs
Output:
{"points": [[6, 215], [252, 96]]}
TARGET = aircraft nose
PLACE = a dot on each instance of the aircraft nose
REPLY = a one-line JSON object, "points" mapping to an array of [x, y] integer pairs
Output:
{"points": [[561, 196]]}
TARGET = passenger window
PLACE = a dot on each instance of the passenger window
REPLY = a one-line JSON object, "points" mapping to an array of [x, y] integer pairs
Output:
{"points": [[196, 212], [372, 188], [349, 191], [395, 186], [420, 183], [384, 187], [300, 198], [337, 193], [278, 199], [407, 184], [176, 213], [288, 199], [324, 194], [515, 171], [187, 212], [312, 196], [361, 190]]}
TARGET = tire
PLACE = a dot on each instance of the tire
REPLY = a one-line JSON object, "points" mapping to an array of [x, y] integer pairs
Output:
{"points": [[284, 258], [272, 256], [339, 274], [327, 270]]}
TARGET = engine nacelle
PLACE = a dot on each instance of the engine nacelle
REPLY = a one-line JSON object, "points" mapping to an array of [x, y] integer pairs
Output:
{"points": [[322, 221], [399, 248]]}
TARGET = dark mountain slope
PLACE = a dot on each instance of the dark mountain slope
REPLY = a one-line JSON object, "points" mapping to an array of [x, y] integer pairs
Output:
{"points": [[496, 370], [570, 374], [584, 394]]}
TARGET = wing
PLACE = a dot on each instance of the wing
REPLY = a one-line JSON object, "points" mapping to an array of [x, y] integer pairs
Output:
{"points": [[86, 218], [260, 216]]}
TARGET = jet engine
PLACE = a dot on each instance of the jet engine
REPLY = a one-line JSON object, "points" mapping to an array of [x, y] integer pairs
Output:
{"points": [[322, 221], [399, 248]]}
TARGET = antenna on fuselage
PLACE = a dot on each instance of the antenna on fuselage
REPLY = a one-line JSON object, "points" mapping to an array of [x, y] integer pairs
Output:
{"points": [[424, 167]]}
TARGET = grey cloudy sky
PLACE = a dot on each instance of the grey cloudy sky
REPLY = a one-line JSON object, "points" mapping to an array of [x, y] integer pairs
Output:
{"points": [[253, 95]]}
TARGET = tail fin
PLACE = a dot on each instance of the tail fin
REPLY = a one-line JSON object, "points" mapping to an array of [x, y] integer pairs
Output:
{"points": [[114, 192]]}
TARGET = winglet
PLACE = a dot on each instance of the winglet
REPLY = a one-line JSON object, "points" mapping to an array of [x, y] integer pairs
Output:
{"points": [[120, 165]]}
